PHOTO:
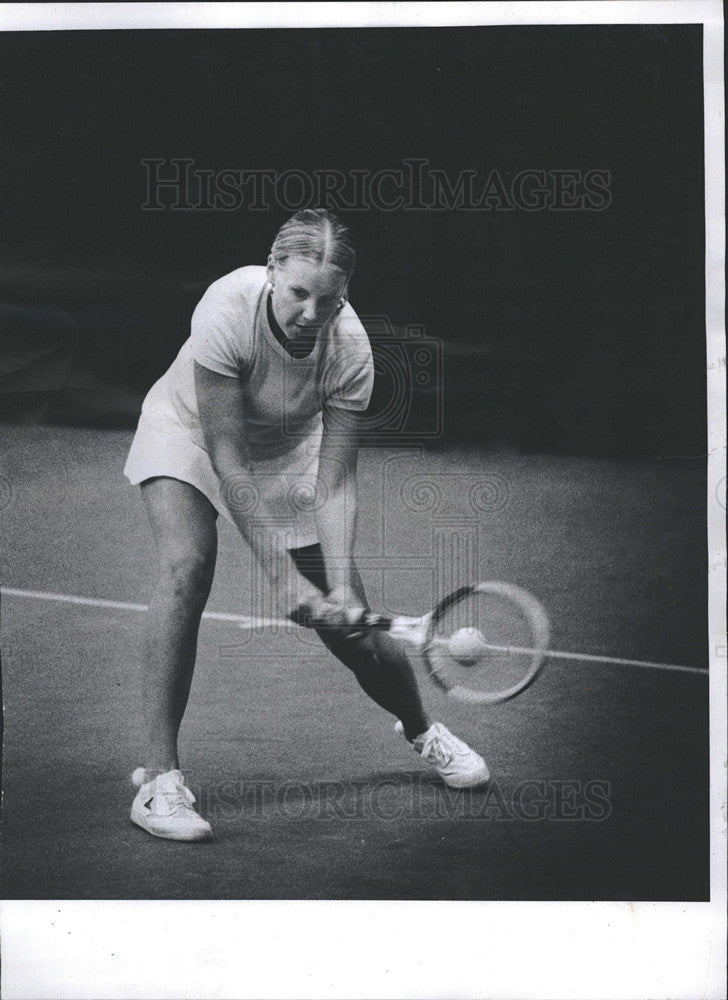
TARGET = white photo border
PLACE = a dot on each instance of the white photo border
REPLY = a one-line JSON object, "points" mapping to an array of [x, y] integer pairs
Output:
{"points": [[261, 949]]}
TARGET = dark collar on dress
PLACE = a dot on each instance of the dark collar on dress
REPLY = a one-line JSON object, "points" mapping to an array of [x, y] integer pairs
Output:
{"points": [[300, 348]]}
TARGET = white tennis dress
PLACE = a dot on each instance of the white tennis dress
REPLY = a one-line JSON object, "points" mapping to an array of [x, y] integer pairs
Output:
{"points": [[283, 398]]}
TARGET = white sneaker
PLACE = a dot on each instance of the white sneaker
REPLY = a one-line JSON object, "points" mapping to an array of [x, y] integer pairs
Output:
{"points": [[454, 761], [163, 807]]}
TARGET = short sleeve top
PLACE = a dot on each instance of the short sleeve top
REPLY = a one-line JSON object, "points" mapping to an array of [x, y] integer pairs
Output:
{"points": [[283, 397]]}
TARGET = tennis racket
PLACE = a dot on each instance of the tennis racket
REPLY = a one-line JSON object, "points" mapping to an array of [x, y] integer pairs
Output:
{"points": [[482, 644]]}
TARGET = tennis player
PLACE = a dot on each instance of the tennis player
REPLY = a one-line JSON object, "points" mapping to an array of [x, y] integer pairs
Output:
{"points": [[256, 419]]}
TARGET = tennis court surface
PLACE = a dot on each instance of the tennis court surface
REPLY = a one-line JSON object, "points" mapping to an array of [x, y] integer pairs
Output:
{"points": [[599, 783]]}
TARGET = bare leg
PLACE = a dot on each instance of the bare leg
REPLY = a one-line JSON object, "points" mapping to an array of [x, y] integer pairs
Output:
{"points": [[378, 662], [184, 525]]}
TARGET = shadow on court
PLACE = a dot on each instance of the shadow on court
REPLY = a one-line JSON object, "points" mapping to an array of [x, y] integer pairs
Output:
{"points": [[599, 783]]}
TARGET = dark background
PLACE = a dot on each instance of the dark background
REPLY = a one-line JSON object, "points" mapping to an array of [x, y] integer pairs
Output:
{"points": [[580, 333], [584, 330]]}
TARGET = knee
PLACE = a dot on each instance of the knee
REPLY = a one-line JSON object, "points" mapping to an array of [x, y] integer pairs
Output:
{"points": [[187, 575]]}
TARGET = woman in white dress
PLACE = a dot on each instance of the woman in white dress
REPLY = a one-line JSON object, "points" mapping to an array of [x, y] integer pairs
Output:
{"points": [[256, 419]]}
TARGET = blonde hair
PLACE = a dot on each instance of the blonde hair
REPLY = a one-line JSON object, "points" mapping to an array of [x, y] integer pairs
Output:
{"points": [[319, 235]]}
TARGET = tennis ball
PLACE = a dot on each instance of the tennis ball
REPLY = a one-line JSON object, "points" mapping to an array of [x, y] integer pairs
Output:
{"points": [[467, 645]]}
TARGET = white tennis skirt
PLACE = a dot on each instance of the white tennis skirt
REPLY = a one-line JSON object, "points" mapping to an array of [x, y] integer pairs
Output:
{"points": [[282, 489]]}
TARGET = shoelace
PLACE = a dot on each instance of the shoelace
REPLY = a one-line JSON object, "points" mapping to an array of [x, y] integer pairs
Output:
{"points": [[179, 797], [437, 750]]}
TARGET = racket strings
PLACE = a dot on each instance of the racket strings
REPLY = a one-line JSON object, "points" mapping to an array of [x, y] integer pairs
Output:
{"points": [[478, 646]]}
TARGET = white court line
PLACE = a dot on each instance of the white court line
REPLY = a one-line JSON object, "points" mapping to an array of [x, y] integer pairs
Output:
{"points": [[248, 621], [553, 654], [94, 602]]}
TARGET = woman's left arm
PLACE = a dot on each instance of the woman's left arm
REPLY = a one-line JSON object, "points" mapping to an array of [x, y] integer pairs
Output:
{"points": [[337, 490]]}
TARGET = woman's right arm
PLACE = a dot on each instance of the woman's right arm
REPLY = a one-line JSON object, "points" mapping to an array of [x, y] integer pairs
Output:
{"points": [[220, 404]]}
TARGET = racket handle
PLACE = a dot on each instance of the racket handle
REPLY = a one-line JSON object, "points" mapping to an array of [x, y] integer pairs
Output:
{"points": [[302, 615], [368, 619], [359, 625]]}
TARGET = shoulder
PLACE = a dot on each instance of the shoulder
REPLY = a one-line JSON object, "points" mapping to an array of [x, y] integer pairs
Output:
{"points": [[348, 340], [237, 291], [222, 331]]}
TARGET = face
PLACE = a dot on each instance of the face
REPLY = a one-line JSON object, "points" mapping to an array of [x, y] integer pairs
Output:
{"points": [[305, 295]]}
